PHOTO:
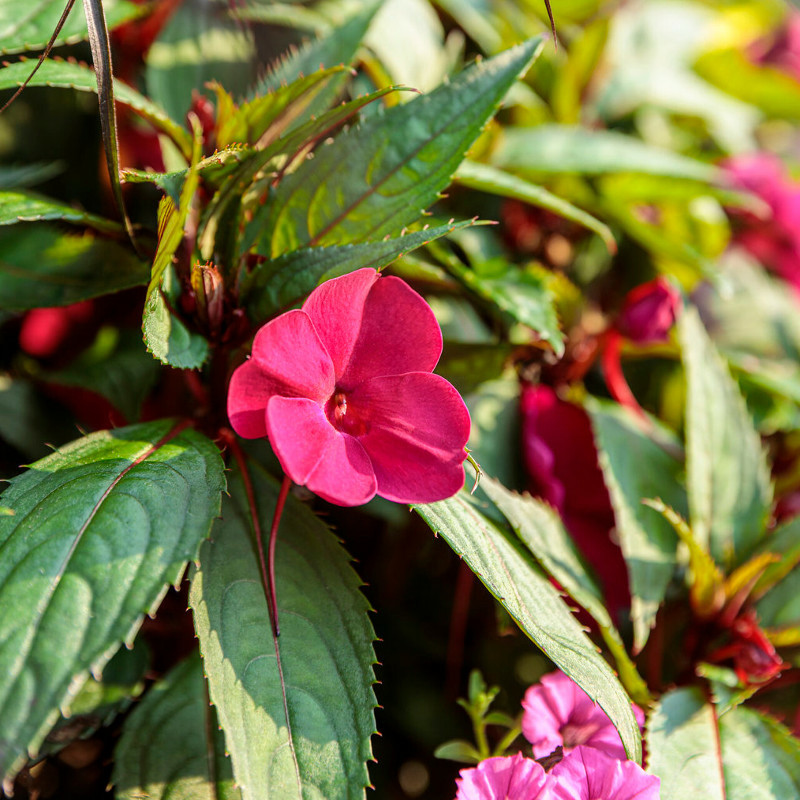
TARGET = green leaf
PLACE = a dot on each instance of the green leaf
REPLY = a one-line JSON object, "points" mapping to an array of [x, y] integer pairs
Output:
{"points": [[524, 295], [374, 179], [29, 207], [171, 744], [275, 285], [738, 755], [485, 178], [784, 541], [297, 711], [549, 149], [636, 466], [508, 572], [458, 750], [42, 266], [543, 533], [338, 46], [15, 177], [198, 44], [166, 336], [100, 528], [28, 26], [683, 747], [69, 75], [727, 474], [117, 367], [760, 757]]}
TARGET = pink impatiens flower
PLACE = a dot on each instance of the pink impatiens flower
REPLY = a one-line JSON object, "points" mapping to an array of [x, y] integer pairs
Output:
{"points": [[590, 774], [344, 391], [557, 712], [505, 778]]}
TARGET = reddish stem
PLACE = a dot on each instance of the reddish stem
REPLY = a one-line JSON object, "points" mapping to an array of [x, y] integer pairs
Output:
{"points": [[458, 626], [615, 378]]}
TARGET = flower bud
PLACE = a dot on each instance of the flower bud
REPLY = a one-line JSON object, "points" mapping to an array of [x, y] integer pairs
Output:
{"points": [[209, 293], [649, 312]]}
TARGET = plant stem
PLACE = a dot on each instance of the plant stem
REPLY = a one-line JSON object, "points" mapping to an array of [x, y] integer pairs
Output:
{"points": [[268, 567]]}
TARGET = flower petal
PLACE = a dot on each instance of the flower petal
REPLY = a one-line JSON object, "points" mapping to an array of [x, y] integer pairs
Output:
{"points": [[249, 391], [344, 475], [300, 434], [504, 778], [314, 454], [336, 308], [289, 351], [416, 428], [587, 773], [374, 327]]}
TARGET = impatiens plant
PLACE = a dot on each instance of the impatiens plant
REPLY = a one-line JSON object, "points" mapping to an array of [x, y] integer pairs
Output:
{"points": [[347, 342]]}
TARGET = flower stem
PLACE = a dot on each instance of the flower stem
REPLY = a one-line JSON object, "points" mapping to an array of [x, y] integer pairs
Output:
{"points": [[268, 569]]}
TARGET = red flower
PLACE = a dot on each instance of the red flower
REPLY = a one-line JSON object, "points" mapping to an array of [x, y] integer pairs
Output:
{"points": [[344, 391], [649, 312], [561, 460], [775, 242]]}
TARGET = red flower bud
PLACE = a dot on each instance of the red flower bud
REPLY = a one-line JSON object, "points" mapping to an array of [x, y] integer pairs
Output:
{"points": [[649, 312]]}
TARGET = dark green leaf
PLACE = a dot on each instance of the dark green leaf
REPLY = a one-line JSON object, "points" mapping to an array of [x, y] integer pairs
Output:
{"points": [[28, 26], [571, 149], [683, 747], [69, 75], [319, 671], [29, 207], [172, 746], [374, 179], [198, 44], [100, 528], [485, 178], [635, 467], [42, 266], [468, 365], [508, 572], [462, 752], [15, 177], [116, 366], [275, 285], [727, 474]]}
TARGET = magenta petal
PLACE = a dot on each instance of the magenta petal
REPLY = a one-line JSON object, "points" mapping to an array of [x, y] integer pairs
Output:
{"points": [[344, 475], [399, 333], [587, 773], [248, 393], [416, 426], [337, 308], [504, 778], [289, 351], [300, 434]]}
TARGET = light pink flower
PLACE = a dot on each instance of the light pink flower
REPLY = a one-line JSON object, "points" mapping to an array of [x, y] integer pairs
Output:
{"points": [[557, 712], [590, 774], [775, 242], [505, 778], [344, 391]]}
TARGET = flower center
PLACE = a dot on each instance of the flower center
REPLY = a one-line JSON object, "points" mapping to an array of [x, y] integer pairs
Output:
{"points": [[574, 735], [342, 418]]}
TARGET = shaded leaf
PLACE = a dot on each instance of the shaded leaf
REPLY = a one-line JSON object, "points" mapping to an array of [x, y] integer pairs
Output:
{"points": [[509, 573], [171, 744], [16, 177], [485, 178], [319, 672], [100, 529], [199, 43], [636, 467], [69, 75], [28, 26], [572, 149], [275, 285], [29, 207], [374, 179], [42, 266], [727, 474]]}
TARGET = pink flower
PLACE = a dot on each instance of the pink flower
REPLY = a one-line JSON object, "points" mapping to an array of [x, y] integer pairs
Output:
{"points": [[344, 391], [775, 242], [557, 712], [784, 51], [649, 312], [589, 774], [505, 778], [561, 460]]}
